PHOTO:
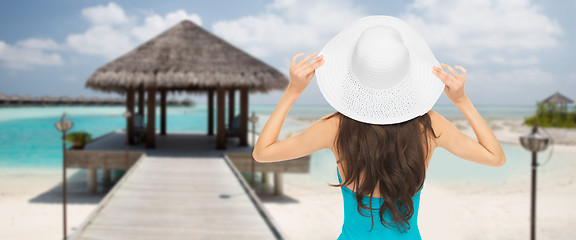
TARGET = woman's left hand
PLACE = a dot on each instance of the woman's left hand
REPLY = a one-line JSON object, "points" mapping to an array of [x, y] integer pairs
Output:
{"points": [[302, 72]]}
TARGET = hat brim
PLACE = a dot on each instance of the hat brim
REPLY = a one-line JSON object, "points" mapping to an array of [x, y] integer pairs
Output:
{"points": [[410, 98]]}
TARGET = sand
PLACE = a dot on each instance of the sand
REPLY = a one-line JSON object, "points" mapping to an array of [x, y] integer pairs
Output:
{"points": [[30, 202]]}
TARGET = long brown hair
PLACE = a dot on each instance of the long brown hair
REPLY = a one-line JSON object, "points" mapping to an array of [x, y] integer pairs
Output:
{"points": [[391, 157]]}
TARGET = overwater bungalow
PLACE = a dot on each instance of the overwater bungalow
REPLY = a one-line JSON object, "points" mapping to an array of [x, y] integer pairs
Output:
{"points": [[26, 99], [14, 99], [187, 102], [190, 59], [64, 100], [80, 100], [95, 100], [47, 100]]}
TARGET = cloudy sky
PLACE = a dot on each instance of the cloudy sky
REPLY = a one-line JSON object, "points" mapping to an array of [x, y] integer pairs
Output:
{"points": [[516, 51]]}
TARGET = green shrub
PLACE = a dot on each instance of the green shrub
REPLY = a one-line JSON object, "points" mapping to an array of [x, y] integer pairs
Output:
{"points": [[79, 138], [550, 115]]}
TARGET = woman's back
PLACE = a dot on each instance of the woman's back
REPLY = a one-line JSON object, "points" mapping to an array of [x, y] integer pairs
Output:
{"points": [[356, 226]]}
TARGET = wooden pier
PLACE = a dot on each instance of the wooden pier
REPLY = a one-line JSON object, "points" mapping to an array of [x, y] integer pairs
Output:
{"points": [[182, 189]]}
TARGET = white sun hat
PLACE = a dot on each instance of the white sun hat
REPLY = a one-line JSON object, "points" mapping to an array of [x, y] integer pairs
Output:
{"points": [[378, 70]]}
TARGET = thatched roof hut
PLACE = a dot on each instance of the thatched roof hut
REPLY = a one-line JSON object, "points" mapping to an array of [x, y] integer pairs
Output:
{"points": [[117, 101], [3, 99], [64, 100], [14, 99], [187, 102], [80, 100], [187, 58], [94, 100], [558, 98], [109, 101], [46, 100], [26, 99]]}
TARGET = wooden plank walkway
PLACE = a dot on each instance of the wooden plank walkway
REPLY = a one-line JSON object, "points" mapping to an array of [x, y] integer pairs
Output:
{"points": [[186, 190]]}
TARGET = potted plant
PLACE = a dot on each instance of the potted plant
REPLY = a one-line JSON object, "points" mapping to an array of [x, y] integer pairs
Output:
{"points": [[78, 139]]}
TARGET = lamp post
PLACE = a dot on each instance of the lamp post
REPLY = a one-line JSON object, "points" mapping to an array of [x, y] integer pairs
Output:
{"points": [[63, 125], [534, 142], [253, 119]]}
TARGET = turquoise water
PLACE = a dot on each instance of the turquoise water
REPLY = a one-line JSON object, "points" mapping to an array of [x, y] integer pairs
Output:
{"points": [[445, 167], [29, 138]]}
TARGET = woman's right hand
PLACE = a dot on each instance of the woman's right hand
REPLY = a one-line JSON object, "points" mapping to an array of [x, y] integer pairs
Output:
{"points": [[454, 88], [486, 149]]}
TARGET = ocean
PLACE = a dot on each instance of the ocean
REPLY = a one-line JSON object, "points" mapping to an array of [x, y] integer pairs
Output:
{"points": [[30, 140]]}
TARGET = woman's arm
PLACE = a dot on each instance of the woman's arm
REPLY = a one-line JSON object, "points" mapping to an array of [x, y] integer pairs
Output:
{"points": [[267, 148], [487, 149]]}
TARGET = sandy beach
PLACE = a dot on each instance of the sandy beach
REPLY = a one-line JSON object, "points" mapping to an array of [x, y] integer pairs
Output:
{"points": [[30, 200]]}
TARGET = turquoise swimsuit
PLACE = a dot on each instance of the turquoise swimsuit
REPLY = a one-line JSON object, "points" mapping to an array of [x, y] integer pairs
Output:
{"points": [[357, 226]]}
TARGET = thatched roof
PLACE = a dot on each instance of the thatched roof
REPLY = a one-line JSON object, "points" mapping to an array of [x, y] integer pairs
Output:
{"points": [[13, 97], [557, 98], [95, 100], [80, 99], [188, 102], [186, 57], [26, 98], [47, 98], [64, 99]]}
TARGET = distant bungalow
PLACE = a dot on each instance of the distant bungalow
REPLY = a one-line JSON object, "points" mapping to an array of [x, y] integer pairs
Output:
{"points": [[26, 100]]}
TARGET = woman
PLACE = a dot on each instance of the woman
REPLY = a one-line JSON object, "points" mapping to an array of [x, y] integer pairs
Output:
{"points": [[382, 78]]}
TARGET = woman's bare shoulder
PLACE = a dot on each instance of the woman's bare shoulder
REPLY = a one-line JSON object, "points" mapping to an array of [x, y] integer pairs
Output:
{"points": [[438, 121], [332, 123]]}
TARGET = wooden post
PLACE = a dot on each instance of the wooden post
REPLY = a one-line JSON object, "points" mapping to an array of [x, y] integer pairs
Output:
{"points": [[265, 179], [243, 117], [211, 112], [163, 112], [130, 120], [141, 101], [220, 131], [230, 107], [150, 128], [91, 177], [107, 176], [278, 183]]}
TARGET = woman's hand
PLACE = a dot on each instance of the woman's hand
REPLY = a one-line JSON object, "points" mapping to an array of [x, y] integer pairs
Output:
{"points": [[302, 72], [454, 88]]}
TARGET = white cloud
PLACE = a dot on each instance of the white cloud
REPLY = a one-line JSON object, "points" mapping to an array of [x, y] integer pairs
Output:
{"points": [[39, 43], [107, 15], [530, 75], [289, 26], [485, 31], [113, 33], [26, 54], [155, 24], [101, 40]]}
